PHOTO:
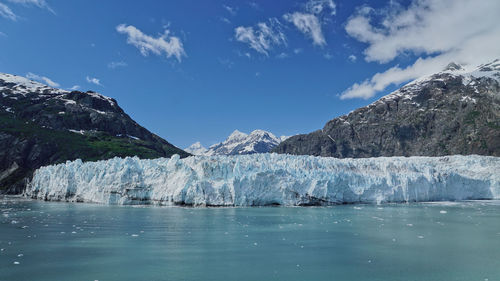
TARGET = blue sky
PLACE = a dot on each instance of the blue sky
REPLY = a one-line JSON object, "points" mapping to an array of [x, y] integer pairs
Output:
{"points": [[197, 70]]}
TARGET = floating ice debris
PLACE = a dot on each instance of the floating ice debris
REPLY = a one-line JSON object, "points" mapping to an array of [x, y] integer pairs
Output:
{"points": [[410, 224], [135, 235], [443, 212], [20, 255], [16, 262], [269, 179], [421, 237]]}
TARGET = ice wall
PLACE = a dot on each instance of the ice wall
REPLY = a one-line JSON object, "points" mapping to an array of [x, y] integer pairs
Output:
{"points": [[269, 179]]}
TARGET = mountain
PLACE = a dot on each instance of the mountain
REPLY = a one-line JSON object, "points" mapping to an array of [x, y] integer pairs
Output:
{"points": [[238, 143], [455, 111], [196, 149], [41, 125]]}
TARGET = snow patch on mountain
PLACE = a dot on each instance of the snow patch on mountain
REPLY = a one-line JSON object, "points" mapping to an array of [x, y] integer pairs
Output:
{"points": [[22, 85], [268, 179], [469, 75], [18, 85]]}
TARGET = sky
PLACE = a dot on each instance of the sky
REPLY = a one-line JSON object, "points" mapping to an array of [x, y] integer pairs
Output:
{"points": [[197, 70]]}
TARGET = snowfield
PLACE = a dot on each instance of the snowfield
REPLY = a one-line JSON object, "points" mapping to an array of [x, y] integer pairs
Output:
{"points": [[269, 179]]}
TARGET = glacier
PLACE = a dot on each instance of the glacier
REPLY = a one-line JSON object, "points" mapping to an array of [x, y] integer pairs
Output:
{"points": [[268, 179]]}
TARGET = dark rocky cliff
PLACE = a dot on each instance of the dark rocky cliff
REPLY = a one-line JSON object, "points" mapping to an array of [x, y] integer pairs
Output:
{"points": [[40, 125], [451, 112]]}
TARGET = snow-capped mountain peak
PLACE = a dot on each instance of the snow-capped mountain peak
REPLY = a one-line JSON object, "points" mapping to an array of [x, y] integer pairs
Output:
{"points": [[453, 111], [453, 67], [236, 135], [14, 85], [284, 138], [469, 75], [258, 141], [196, 149], [22, 85]]}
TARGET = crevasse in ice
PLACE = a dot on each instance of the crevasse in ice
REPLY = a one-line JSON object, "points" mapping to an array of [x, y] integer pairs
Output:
{"points": [[269, 179]]}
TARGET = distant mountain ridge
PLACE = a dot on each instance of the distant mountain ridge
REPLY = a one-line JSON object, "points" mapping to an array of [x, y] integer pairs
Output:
{"points": [[41, 125], [455, 111], [238, 143]]}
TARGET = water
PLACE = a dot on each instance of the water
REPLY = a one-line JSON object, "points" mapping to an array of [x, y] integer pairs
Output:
{"points": [[72, 241]]}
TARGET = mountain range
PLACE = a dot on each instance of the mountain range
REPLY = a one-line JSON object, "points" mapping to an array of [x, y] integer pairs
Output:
{"points": [[238, 143], [42, 125], [455, 111]]}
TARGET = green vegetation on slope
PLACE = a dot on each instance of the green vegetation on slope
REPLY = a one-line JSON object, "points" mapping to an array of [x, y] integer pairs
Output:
{"points": [[60, 145]]}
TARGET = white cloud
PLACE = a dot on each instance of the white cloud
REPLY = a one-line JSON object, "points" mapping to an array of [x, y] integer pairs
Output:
{"points": [[309, 21], [352, 58], [226, 62], [6, 12], [74, 88], [226, 20], [170, 45], [328, 56], [115, 64], [312, 15], [39, 3], [308, 24], [319, 6], [263, 37], [439, 31], [230, 9], [254, 5], [42, 79], [282, 55], [93, 80]]}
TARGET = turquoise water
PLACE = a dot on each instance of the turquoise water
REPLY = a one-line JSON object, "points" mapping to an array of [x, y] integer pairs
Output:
{"points": [[74, 241]]}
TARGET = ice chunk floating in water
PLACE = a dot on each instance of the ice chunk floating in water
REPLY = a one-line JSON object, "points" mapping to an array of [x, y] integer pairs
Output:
{"points": [[269, 179]]}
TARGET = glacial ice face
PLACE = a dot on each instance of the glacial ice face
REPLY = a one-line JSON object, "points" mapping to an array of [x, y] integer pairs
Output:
{"points": [[269, 179]]}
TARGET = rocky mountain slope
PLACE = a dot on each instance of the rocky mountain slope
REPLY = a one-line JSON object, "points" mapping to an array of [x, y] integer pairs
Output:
{"points": [[40, 125], [239, 143], [456, 111]]}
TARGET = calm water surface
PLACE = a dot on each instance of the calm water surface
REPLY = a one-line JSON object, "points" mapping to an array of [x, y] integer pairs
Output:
{"points": [[74, 241]]}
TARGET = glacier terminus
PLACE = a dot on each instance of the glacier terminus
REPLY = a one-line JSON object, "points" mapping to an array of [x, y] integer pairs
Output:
{"points": [[268, 179]]}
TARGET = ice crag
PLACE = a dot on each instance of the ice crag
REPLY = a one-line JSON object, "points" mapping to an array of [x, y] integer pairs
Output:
{"points": [[269, 179]]}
